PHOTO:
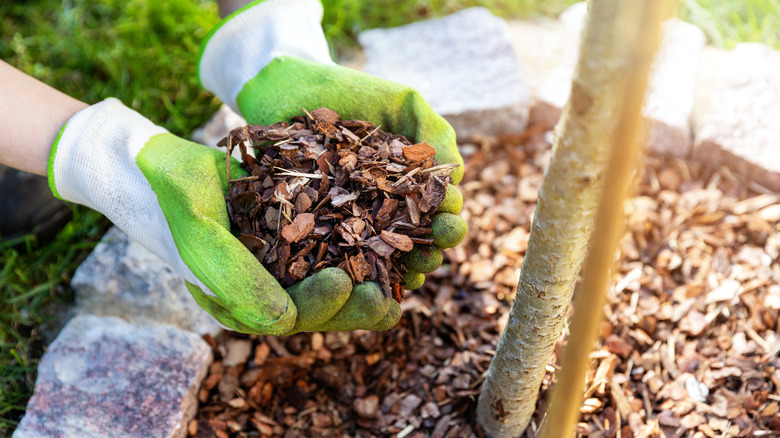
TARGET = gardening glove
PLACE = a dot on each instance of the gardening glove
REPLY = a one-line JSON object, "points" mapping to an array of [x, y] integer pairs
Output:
{"points": [[269, 60], [168, 194]]}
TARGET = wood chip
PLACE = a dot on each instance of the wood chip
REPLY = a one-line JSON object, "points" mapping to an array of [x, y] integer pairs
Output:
{"points": [[398, 241], [419, 152]]}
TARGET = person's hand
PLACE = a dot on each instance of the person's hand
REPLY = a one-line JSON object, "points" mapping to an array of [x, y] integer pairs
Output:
{"points": [[168, 194], [269, 61]]}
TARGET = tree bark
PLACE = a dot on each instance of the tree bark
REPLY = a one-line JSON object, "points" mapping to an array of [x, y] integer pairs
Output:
{"points": [[566, 399], [563, 221]]}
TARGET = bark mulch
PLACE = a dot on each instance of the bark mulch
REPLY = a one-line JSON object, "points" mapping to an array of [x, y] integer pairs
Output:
{"points": [[689, 346], [325, 192]]}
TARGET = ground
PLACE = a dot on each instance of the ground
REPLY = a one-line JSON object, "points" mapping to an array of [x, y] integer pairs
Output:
{"points": [[96, 51], [689, 346]]}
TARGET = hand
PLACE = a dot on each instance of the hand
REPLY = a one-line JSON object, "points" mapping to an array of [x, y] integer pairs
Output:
{"points": [[168, 194], [288, 84], [247, 62]]}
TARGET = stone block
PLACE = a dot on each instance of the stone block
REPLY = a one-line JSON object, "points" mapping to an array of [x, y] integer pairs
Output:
{"points": [[463, 64], [548, 51], [122, 278], [736, 119], [670, 98], [105, 377]]}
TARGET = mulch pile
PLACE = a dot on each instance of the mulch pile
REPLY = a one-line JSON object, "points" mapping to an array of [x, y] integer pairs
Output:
{"points": [[324, 192], [689, 346]]}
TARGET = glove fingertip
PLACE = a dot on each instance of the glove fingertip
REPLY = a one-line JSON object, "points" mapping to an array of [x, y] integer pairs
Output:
{"points": [[390, 319], [453, 201], [319, 297], [423, 259], [448, 230], [366, 306], [413, 280]]}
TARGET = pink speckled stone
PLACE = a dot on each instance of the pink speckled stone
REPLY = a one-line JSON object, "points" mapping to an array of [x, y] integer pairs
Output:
{"points": [[105, 377]]}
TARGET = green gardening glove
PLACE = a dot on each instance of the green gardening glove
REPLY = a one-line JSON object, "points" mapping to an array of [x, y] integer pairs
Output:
{"points": [[168, 194], [270, 60]]}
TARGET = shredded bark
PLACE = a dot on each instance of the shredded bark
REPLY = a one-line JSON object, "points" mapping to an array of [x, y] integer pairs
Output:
{"points": [[360, 195]]}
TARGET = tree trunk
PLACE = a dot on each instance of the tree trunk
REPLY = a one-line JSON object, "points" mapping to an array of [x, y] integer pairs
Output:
{"points": [[564, 407], [563, 221]]}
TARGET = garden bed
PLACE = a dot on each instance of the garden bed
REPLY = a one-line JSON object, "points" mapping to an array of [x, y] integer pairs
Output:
{"points": [[689, 346]]}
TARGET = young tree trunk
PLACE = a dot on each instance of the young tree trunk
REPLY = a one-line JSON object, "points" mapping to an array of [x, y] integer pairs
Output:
{"points": [[563, 221], [566, 399]]}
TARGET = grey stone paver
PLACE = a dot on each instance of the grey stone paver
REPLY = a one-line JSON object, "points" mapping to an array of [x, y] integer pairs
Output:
{"points": [[122, 278], [463, 64], [670, 96], [105, 377], [737, 115]]}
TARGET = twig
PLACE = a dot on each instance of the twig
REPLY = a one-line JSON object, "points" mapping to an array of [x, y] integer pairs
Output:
{"points": [[370, 133], [442, 167], [244, 178], [321, 203], [287, 172], [406, 177], [228, 154], [281, 142], [758, 339]]}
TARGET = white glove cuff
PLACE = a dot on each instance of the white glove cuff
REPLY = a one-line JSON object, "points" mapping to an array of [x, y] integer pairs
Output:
{"points": [[243, 44], [98, 145], [94, 164]]}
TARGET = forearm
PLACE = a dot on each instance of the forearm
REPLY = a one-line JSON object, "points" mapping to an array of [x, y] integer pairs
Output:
{"points": [[31, 115], [227, 7]]}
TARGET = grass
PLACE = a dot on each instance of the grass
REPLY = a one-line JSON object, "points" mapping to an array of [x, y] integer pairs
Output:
{"points": [[144, 53], [34, 284], [727, 23]]}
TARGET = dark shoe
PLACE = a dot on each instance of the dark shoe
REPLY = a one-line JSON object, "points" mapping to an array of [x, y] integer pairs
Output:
{"points": [[28, 206]]}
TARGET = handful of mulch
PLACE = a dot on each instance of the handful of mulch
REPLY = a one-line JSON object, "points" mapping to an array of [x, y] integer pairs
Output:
{"points": [[326, 192]]}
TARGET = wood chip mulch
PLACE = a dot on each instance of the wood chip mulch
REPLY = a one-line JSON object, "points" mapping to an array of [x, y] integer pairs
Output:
{"points": [[689, 347]]}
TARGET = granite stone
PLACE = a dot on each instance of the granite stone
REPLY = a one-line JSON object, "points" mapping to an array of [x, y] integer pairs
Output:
{"points": [[736, 119], [670, 98], [122, 278], [463, 64], [548, 51], [105, 377]]}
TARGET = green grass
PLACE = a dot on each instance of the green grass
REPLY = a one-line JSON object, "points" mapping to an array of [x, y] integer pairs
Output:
{"points": [[727, 23], [144, 53], [141, 52], [34, 284]]}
